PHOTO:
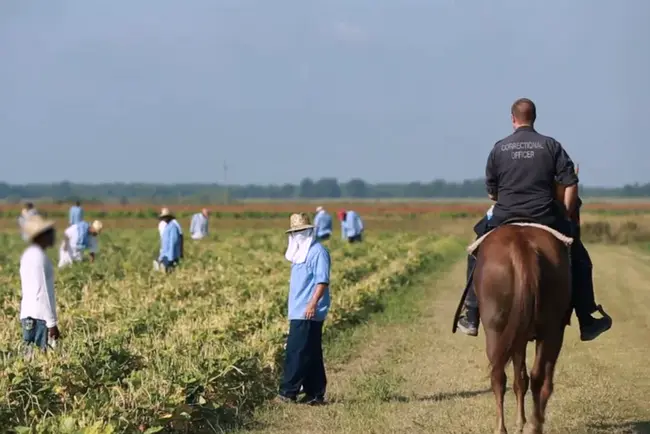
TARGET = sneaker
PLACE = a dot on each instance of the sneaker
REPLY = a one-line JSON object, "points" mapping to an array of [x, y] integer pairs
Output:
{"points": [[465, 326], [312, 400], [156, 265], [595, 327], [468, 323]]}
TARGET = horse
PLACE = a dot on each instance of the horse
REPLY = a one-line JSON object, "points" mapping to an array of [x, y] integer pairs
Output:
{"points": [[522, 281]]}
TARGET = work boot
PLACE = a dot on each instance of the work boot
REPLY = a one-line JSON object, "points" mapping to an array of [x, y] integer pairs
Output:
{"points": [[591, 328], [468, 323]]}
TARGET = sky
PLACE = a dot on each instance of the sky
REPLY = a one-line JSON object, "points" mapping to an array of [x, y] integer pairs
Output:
{"points": [[387, 91]]}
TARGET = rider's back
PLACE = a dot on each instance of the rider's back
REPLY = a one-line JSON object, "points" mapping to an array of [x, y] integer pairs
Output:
{"points": [[523, 169]]}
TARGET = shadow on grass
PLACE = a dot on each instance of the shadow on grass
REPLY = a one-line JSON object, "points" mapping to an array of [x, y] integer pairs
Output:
{"points": [[635, 427], [436, 397]]}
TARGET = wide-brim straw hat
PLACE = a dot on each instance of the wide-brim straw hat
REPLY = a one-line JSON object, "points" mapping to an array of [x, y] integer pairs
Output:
{"points": [[165, 212], [319, 209], [35, 225], [299, 222], [97, 226]]}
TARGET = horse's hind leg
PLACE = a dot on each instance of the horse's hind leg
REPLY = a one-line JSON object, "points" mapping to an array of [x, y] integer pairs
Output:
{"points": [[499, 379], [520, 386], [541, 385], [499, 388]]}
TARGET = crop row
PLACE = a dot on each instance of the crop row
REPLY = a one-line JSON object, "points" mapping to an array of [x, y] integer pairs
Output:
{"points": [[187, 351]]}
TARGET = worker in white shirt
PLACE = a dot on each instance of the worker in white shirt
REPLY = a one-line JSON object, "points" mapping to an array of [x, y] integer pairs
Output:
{"points": [[165, 216], [78, 238], [199, 225], [38, 305]]}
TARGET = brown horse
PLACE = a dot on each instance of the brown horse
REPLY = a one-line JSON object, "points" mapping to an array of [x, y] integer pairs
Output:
{"points": [[522, 282]]}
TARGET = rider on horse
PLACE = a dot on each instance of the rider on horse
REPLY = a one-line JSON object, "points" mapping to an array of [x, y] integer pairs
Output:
{"points": [[522, 172]]}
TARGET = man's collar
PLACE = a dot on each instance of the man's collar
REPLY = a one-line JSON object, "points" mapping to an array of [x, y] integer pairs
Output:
{"points": [[525, 128]]}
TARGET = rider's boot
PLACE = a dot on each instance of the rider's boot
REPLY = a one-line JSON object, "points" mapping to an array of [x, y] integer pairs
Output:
{"points": [[583, 296], [469, 321]]}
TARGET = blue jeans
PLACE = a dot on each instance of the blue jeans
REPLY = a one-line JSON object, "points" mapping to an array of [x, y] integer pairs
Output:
{"points": [[35, 332], [303, 363]]}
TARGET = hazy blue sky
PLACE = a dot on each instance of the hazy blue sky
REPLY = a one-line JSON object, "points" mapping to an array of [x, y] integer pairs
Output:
{"points": [[385, 90]]}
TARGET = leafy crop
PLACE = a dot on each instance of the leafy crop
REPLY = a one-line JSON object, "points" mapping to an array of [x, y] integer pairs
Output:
{"points": [[193, 351]]}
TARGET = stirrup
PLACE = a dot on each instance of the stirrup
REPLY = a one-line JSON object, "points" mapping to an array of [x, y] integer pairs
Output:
{"points": [[600, 310]]}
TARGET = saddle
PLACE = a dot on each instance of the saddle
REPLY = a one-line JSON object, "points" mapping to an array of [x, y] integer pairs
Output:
{"points": [[517, 221], [522, 221]]}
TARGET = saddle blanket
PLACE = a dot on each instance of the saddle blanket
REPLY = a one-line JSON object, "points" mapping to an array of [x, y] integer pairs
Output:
{"points": [[559, 235]]}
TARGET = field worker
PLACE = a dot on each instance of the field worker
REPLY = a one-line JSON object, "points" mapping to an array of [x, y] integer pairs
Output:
{"points": [[309, 301], [27, 211], [323, 224], [76, 214], [38, 304], [170, 244], [522, 174], [199, 225], [163, 224], [351, 226], [78, 238]]}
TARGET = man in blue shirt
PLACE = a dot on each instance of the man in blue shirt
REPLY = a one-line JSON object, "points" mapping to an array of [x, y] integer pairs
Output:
{"points": [[309, 302], [76, 214], [323, 224], [170, 244], [351, 226], [199, 225]]}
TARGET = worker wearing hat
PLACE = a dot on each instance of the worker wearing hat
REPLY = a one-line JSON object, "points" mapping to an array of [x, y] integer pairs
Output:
{"points": [[77, 239], [38, 304], [308, 304], [171, 243]]}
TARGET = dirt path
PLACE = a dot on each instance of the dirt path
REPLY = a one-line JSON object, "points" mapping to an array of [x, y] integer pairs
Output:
{"points": [[416, 377]]}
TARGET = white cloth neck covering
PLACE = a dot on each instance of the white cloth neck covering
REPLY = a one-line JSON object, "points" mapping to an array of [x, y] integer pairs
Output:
{"points": [[299, 244]]}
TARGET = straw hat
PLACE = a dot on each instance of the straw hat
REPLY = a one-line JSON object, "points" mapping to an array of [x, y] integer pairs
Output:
{"points": [[97, 226], [319, 209], [165, 212], [35, 225], [299, 222]]}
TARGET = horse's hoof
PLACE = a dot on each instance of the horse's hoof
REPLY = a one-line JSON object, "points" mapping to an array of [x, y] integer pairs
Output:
{"points": [[532, 429]]}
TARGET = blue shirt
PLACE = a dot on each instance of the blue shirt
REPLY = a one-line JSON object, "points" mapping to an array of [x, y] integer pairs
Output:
{"points": [[82, 235], [170, 244], [323, 223], [352, 225], [76, 214], [304, 278], [199, 225]]}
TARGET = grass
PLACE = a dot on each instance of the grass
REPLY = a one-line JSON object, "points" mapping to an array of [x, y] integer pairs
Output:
{"points": [[414, 376], [196, 350], [200, 351]]}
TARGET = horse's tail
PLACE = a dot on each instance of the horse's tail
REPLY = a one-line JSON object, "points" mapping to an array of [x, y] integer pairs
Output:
{"points": [[524, 311]]}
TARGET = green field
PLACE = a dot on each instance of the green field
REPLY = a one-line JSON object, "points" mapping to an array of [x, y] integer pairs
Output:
{"points": [[199, 351]]}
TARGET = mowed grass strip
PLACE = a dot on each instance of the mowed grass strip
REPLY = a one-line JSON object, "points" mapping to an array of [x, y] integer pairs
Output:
{"points": [[195, 350], [411, 375]]}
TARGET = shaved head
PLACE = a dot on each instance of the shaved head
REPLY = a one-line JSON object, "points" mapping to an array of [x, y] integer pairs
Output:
{"points": [[524, 111]]}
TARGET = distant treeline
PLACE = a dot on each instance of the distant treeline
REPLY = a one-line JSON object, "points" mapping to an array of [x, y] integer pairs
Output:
{"points": [[326, 188]]}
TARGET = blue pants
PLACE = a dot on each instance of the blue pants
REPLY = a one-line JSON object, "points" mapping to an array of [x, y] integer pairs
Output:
{"points": [[35, 332], [303, 363], [355, 239]]}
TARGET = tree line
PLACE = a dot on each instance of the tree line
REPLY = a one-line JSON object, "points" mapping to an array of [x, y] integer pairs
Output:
{"points": [[325, 188]]}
